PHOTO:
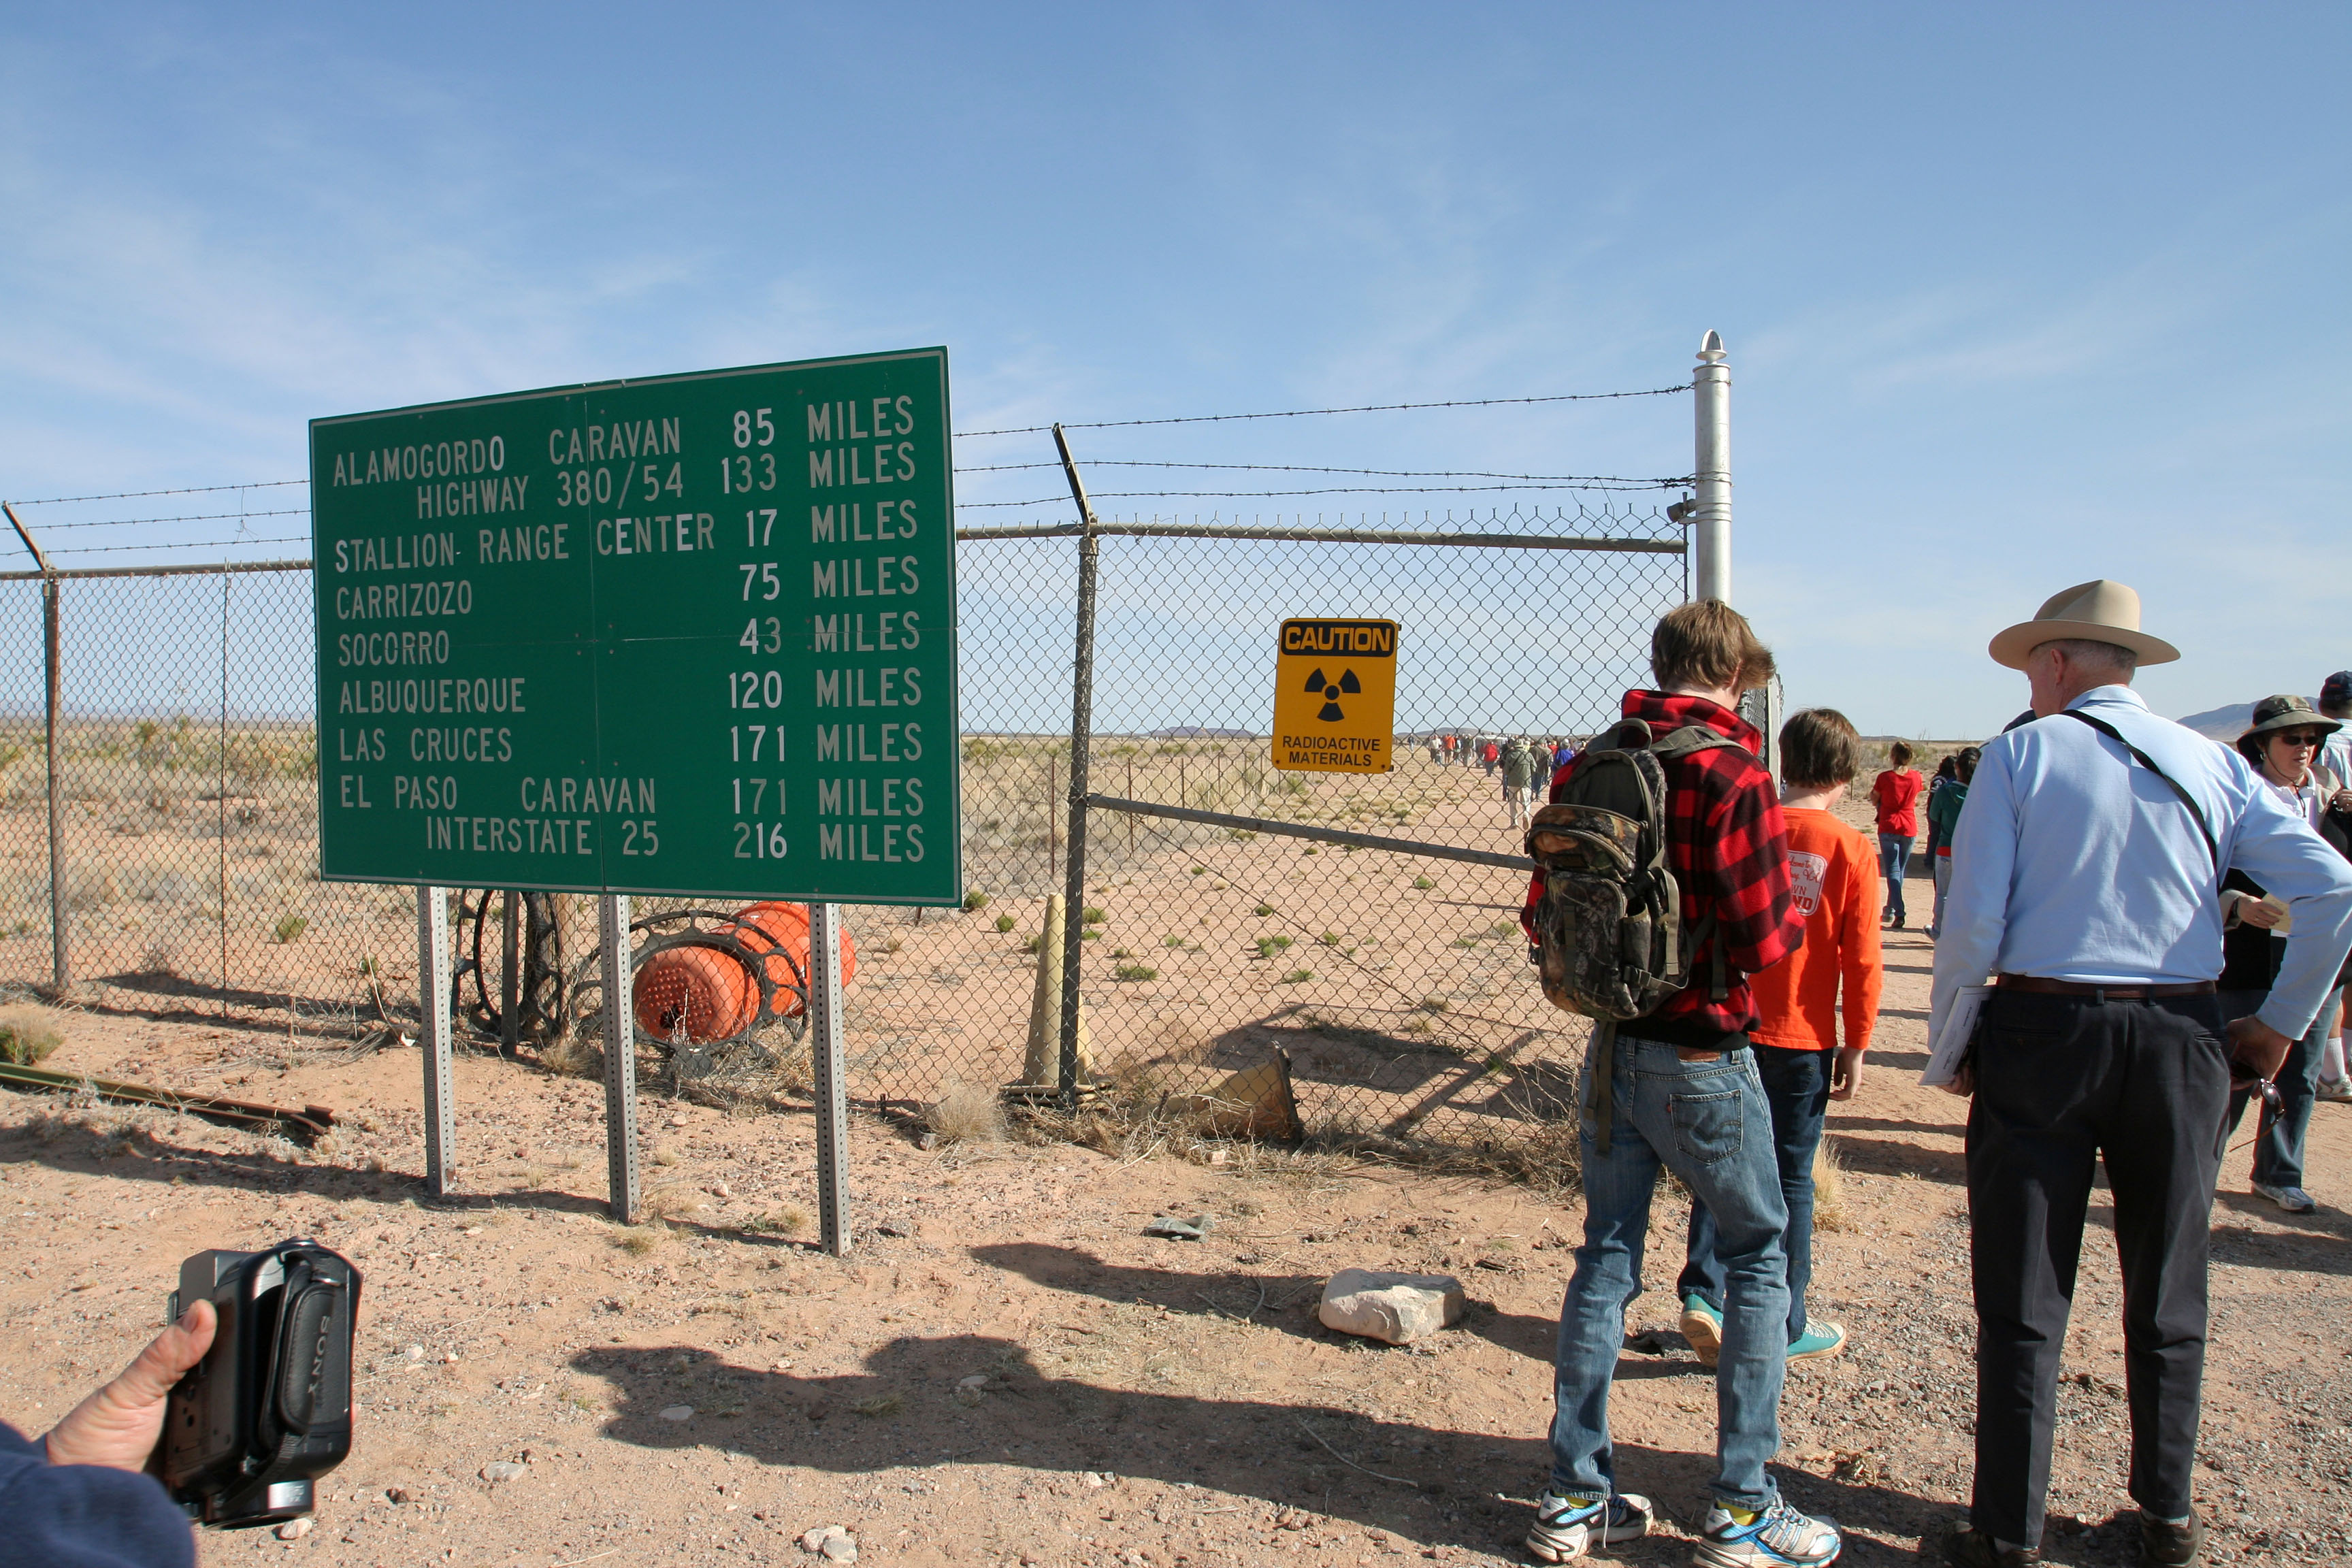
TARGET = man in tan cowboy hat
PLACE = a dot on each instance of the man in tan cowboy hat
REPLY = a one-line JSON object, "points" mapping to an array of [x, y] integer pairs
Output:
{"points": [[2086, 869]]}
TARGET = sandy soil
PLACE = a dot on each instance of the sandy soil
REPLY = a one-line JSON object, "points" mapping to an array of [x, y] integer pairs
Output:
{"points": [[706, 1390]]}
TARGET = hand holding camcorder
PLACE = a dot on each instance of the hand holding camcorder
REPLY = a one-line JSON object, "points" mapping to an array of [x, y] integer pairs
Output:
{"points": [[268, 1409]]}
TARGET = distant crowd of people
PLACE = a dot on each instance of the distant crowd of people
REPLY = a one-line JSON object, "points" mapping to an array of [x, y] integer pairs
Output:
{"points": [[2137, 933]]}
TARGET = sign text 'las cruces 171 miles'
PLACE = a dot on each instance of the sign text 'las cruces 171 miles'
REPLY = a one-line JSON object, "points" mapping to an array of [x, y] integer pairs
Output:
{"points": [[690, 635]]}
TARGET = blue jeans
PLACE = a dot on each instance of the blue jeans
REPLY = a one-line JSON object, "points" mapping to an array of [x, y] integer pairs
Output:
{"points": [[1797, 1089], [1706, 1121], [1895, 864], [2278, 1145]]}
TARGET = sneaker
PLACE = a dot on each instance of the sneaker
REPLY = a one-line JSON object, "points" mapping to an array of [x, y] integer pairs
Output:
{"points": [[1703, 1326], [2335, 1088], [1568, 1527], [2167, 1543], [1821, 1338], [2294, 1200], [1780, 1537], [1966, 1548]]}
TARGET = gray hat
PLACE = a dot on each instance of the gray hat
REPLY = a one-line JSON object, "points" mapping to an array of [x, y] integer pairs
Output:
{"points": [[2288, 712]]}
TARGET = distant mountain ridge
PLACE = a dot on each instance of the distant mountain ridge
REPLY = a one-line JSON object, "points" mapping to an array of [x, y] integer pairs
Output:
{"points": [[2226, 724]]}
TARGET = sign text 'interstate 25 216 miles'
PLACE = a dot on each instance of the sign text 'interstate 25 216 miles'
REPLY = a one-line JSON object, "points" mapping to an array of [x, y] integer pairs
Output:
{"points": [[692, 635]]}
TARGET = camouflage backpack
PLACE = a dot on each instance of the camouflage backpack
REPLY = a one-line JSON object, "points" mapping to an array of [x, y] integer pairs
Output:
{"points": [[1609, 925]]}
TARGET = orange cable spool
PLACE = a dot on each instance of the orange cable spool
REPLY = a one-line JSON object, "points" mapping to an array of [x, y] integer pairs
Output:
{"points": [[700, 992], [785, 927]]}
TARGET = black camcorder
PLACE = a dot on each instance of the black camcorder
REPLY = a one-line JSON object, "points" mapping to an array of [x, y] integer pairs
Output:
{"points": [[268, 1410]]}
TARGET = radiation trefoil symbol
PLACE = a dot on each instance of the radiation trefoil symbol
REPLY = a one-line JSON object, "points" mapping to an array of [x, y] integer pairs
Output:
{"points": [[1347, 684]]}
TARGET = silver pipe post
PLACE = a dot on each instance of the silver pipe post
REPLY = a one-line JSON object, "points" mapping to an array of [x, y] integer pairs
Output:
{"points": [[829, 1063], [1082, 719], [433, 1001], [53, 668], [620, 1057], [511, 985], [1711, 467]]}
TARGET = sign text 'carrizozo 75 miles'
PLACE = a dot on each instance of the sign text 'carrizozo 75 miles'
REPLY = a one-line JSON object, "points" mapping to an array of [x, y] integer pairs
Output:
{"points": [[690, 635]]}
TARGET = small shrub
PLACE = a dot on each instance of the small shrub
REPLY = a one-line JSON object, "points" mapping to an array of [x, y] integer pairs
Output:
{"points": [[965, 1114], [1032, 943], [639, 1239], [1092, 916], [1310, 849], [880, 1404], [288, 928], [1262, 910], [1296, 976], [1330, 939], [1090, 936], [974, 901], [1171, 941], [27, 1036], [1005, 922], [1502, 928], [1465, 942], [1830, 1211], [1120, 953], [1200, 870], [1135, 972], [1424, 883], [1267, 946]]}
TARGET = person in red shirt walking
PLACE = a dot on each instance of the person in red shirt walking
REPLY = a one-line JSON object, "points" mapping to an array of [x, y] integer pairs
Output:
{"points": [[1797, 1004], [1896, 795]]}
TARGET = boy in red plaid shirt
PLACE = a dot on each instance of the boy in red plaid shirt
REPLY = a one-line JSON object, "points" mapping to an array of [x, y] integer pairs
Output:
{"points": [[1686, 1096]]}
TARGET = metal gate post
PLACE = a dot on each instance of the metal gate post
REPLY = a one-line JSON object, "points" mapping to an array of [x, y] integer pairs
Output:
{"points": [[1082, 717], [620, 1057], [830, 1069], [433, 1002], [53, 637], [510, 989], [1711, 470], [53, 669]]}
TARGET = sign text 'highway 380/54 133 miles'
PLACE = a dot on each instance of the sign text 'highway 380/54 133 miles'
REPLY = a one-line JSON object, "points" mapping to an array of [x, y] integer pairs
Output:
{"points": [[690, 635]]}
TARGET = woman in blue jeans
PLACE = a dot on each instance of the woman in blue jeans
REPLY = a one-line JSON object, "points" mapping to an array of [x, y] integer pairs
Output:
{"points": [[2285, 737]]}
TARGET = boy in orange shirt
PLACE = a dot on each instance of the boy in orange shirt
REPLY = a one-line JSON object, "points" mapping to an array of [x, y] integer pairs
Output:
{"points": [[1798, 1055]]}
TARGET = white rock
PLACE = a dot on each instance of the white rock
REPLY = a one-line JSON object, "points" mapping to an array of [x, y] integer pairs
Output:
{"points": [[1395, 1308], [834, 1542], [500, 1470], [294, 1529], [976, 1380], [680, 1412]]}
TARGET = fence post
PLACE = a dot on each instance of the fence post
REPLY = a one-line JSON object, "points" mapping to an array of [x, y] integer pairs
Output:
{"points": [[1711, 470], [829, 1070], [433, 1037], [53, 667], [1082, 719], [620, 1057]]}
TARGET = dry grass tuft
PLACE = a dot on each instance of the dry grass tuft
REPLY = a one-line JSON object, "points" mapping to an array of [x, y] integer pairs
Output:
{"points": [[879, 1404], [966, 1113], [639, 1239], [28, 1033], [1829, 1190], [573, 1057]]}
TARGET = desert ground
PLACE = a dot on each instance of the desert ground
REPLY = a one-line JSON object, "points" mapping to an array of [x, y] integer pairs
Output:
{"points": [[1005, 1370]]}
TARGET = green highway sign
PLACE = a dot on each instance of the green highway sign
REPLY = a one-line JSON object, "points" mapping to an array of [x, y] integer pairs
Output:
{"points": [[692, 635]]}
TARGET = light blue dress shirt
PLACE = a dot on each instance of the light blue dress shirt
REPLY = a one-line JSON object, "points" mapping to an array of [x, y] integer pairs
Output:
{"points": [[2074, 862]]}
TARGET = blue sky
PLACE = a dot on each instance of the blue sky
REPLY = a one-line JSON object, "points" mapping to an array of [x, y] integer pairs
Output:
{"points": [[2016, 296]]}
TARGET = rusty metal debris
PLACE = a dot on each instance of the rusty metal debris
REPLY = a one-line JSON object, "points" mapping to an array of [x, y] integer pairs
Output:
{"points": [[305, 1126]]}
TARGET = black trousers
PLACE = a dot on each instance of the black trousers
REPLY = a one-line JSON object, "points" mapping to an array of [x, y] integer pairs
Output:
{"points": [[2062, 1081]]}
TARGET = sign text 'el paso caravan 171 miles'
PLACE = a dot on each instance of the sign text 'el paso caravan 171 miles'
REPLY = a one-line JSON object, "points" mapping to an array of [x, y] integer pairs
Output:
{"points": [[690, 635]]}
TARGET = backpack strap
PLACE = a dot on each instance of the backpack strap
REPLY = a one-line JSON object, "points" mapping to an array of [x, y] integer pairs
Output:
{"points": [[2195, 811]]}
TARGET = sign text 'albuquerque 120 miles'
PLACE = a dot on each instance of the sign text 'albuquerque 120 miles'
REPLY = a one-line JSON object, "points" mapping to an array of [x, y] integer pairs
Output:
{"points": [[691, 635]]}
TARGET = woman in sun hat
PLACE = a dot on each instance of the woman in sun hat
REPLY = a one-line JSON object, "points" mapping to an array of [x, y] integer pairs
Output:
{"points": [[2285, 737]]}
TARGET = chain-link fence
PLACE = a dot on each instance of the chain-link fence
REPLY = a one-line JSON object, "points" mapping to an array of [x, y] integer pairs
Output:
{"points": [[1394, 981]]}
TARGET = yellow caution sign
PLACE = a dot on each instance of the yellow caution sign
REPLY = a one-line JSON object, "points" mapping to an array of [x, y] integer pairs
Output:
{"points": [[1335, 696]]}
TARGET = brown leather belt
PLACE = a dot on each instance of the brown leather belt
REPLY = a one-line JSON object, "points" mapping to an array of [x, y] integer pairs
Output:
{"points": [[2035, 984]]}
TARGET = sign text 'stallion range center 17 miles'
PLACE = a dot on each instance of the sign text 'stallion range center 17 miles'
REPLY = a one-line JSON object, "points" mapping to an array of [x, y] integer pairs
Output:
{"points": [[690, 635]]}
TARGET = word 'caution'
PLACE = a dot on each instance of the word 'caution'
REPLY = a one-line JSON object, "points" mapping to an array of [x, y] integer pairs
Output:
{"points": [[1335, 696]]}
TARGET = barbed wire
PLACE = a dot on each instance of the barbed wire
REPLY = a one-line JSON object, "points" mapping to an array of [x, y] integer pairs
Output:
{"points": [[198, 544], [183, 491], [192, 517], [1303, 413], [1321, 469], [1638, 486]]}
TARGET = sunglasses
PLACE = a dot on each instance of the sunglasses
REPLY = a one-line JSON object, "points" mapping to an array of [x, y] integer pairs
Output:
{"points": [[2299, 738]]}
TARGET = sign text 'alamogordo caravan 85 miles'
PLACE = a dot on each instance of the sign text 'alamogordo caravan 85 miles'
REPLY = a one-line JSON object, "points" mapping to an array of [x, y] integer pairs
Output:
{"points": [[692, 635], [1335, 696]]}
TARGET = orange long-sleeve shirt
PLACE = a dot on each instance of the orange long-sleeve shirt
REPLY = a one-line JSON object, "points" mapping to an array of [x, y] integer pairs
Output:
{"points": [[1836, 875]]}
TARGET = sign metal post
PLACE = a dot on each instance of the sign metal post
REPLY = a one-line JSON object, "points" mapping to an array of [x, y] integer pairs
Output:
{"points": [[826, 1057], [620, 1057], [433, 1002]]}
